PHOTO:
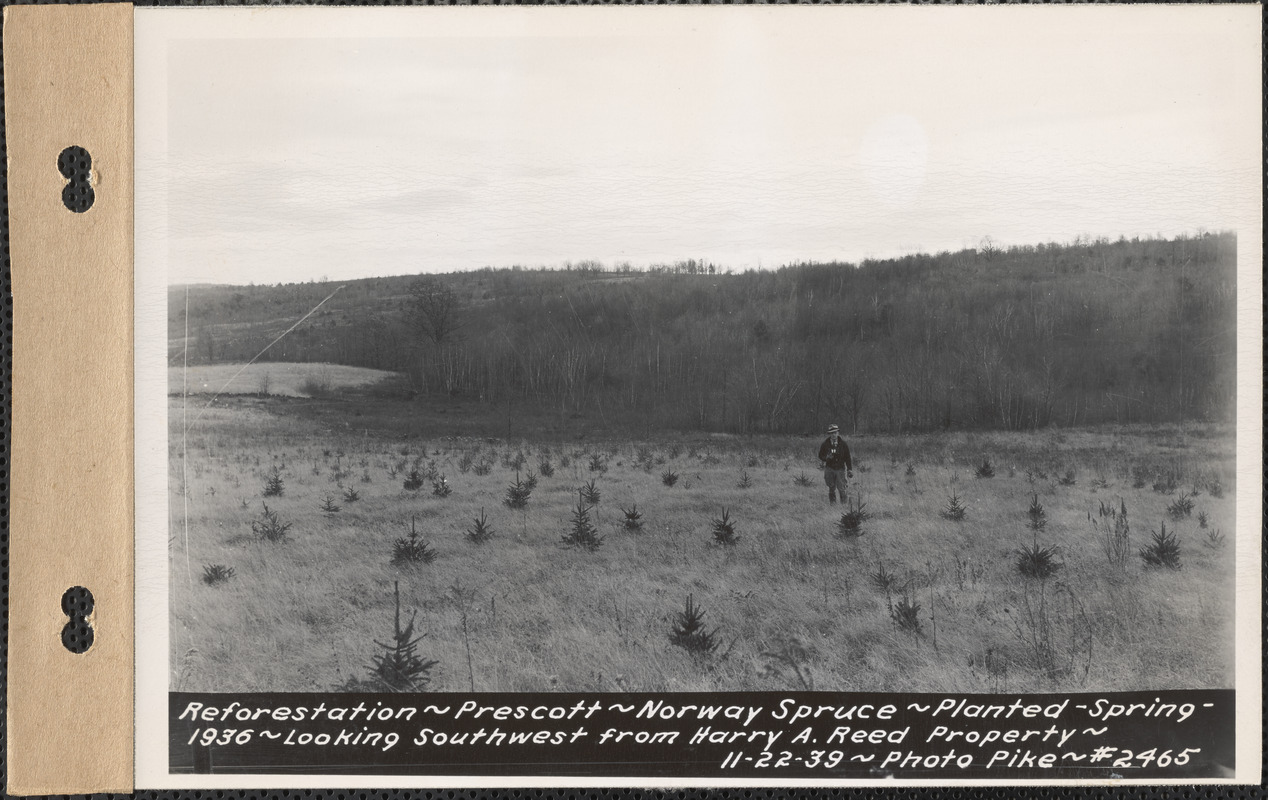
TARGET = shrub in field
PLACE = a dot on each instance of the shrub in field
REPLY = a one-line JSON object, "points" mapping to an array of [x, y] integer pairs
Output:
{"points": [[351, 495], [590, 493], [986, 469], [954, 509], [411, 549], [274, 486], [517, 494], [1215, 488], [1202, 519], [1037, 562], [268, 527], [745, 481], [481, 531], [1163, 551], [910, 471], [216, 573], [597, 463], [1100, 482], [1115, 532], [633, 517], [883, 580], [1214, 539], [465, 462], [1038, 517], [851, 522], [398, 668], [530, 480], [329, 505], [582, 534], [669, 477], [689, 633], [906, 615], [440, 486], [724, 530], [1181, 507], [482, 468], [1166, 484], [803, 479], [1068, 479], [545, 467], [564, 461], [414, 480]]}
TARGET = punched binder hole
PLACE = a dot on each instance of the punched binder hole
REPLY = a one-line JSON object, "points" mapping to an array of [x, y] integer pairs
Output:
{"points": [[77, 604], [75, 164]]}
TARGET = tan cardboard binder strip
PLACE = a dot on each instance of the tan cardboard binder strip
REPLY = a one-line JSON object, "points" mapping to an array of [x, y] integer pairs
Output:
{"points": [[68, 81]]}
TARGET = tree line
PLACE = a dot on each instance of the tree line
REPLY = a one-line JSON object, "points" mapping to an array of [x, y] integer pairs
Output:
{"points": [[1085, 333]]}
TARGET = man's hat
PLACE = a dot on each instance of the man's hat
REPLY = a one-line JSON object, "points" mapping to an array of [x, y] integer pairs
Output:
{"points": [[833, 429]]}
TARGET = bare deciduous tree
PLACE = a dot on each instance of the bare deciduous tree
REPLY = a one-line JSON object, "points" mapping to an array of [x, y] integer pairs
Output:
{"points": [[433, 310]]}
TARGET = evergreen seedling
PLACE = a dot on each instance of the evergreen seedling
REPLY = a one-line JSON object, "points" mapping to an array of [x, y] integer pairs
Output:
{"points": [[633, 518], [329, 505], [546, 468], [689, 633], [1037, 562], [986, 469], [1067, 479], [530, 481], [669, 477], [481, 531], [583, 533], [590, 493], [412, 550], [269, 527], [724, 530], [517, 494], [413, 481], [440, 486], [273, 484], [851, 523], [954, 509], [399, 668], [906, 615], [803, 479], [216, 573], [745, 481], [1163, 551], [351, 495], [1181, 508], [1038, 517]]}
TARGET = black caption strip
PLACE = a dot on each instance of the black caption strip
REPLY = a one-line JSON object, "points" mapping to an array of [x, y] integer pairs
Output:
{"points": [[1133, 735]]}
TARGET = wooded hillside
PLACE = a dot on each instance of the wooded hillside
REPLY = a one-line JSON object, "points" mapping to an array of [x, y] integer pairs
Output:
{"points": [[1078, 334]]}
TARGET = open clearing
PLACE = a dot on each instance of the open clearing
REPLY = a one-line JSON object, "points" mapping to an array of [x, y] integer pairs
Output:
{"points": [[270, 378], [794, 603]]}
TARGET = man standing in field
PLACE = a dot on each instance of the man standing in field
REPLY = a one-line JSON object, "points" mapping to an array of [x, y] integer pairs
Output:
{"points": [[835, 456]]}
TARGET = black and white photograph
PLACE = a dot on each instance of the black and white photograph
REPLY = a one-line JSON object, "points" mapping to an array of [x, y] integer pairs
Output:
{"points": [[794, 351]]}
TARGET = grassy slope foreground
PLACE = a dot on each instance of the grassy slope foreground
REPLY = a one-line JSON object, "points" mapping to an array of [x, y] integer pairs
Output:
{"points": [[794, 603]]}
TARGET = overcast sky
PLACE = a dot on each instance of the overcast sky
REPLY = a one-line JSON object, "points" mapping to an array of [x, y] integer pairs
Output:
{"points": [[293, 144]]}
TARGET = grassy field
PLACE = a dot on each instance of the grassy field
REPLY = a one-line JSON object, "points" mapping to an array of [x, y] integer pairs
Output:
{"points": [[271, 378], [795, 602]]}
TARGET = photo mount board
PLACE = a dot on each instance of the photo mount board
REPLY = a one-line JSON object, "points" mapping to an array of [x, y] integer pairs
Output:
{"points": [[68, 82]]}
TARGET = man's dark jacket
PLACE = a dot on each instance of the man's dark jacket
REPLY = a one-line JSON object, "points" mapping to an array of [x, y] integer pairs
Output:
{"points": [[837, 457]]}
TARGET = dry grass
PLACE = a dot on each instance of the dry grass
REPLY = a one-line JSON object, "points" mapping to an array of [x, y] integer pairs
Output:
{"points": [[303, 615]]}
